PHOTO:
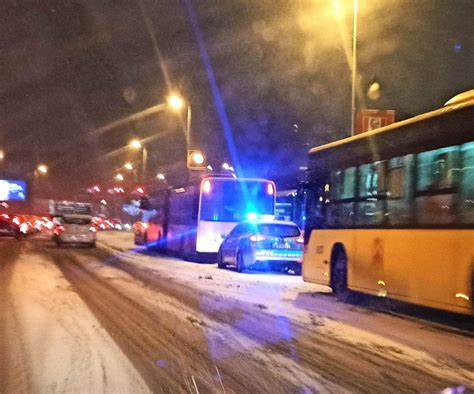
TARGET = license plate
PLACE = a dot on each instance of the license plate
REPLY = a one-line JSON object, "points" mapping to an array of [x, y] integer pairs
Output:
{"points": [[282, 245]]}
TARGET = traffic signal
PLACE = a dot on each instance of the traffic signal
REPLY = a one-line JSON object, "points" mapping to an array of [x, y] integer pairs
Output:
{"points": [[196, 160]]}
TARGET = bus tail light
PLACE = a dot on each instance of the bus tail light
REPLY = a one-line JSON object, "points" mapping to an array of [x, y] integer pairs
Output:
{"points": [[270, 189], [206, 186]]}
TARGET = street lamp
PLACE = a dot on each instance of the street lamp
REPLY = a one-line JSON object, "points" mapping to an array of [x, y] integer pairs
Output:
{"points": [[373, 92], [161, 177], [42, 169], [119, 177], [176, 103], [2, 154], [128, 166], [135, 144]]}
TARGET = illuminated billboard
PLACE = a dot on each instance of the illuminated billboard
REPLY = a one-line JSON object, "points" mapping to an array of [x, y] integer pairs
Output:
{"points": [[12, 190]]}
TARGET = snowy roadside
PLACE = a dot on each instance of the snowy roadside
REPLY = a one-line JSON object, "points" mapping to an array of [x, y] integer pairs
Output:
{"points": [[53, 343], [418, 342]]}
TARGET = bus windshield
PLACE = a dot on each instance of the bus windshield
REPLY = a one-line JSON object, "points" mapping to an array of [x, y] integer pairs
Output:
{"points": [[278, 230], [230, 200]]}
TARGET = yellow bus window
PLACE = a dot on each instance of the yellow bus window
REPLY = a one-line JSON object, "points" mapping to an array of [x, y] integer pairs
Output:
{"points": [[438, 169], [466, 195]]}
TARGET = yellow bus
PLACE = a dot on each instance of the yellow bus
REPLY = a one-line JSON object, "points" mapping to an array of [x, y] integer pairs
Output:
{"points": [[390, 212]]}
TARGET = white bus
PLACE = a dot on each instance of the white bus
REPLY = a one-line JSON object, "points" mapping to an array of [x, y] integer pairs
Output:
{"points": [[192, 221]]}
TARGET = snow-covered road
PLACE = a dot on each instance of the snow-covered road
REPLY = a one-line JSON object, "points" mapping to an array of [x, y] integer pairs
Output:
{"points": [[120, 319]]}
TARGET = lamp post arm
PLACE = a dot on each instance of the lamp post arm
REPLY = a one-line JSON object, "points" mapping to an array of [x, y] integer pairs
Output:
{"points": [[144, 163], [188, 127]]}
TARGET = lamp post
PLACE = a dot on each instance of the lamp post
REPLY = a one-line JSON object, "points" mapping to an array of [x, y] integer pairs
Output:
{"points": [[136, 144], [39, 187], [354, 65], [176, 103]]}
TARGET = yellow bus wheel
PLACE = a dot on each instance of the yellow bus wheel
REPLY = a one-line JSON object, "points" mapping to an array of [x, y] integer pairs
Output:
{"points": [[339, 271]]}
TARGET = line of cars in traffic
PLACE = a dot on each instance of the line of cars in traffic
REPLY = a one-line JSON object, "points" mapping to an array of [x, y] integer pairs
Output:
{"points": [[66, 228], [82, 229], [76, 228], [23, 225]]}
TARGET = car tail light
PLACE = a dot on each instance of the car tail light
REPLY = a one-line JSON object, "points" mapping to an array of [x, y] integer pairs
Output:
{"points": [[257, 238], [58, 230]]}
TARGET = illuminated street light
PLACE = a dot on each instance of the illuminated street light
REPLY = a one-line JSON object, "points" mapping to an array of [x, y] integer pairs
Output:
{"points": [[2, 154], [373, 92], [135, 144], [42, 169], [128, 166], [161, 177], [175, 102], [209, 167], [119, 177]]}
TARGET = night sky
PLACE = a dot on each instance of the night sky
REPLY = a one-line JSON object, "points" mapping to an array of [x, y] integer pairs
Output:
{"points": [[281, 73]]}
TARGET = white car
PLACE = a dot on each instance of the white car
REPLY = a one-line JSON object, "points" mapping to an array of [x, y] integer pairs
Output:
{"points": [[263, 244], [74, 229]]}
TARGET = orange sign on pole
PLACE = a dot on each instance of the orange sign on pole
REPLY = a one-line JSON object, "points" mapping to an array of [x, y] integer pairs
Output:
{"points": [[369, 119]]}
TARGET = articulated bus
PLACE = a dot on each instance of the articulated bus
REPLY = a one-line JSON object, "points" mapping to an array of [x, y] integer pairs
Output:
{"points": [[192, 221], [390, 212]]}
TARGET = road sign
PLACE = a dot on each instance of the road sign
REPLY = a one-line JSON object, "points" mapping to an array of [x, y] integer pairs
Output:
{"points": [[370, 119]]}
